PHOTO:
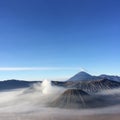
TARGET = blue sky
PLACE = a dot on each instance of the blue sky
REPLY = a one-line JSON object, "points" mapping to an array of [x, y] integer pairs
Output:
{"points": [[59, 34]]}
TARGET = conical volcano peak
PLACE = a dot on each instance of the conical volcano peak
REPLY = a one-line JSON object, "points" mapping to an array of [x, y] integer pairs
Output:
{"points": [[75, 92], [71, 98], [83, 73], [81, 76]]}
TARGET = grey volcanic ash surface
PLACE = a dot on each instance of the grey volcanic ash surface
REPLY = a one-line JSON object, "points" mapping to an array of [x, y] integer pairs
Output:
{"points": [[78, 99], [71, 98]]}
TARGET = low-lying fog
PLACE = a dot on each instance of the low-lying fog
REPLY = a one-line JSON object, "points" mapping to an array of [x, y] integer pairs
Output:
{"points": [[31, 104]]}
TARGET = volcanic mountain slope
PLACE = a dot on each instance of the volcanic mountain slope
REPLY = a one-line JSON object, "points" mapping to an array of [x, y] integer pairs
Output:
{"points": [[76, 98], [82, 76], [93, 86]]}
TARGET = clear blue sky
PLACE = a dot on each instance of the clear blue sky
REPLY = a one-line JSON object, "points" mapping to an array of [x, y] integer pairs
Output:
{"points": [[59, 33]]}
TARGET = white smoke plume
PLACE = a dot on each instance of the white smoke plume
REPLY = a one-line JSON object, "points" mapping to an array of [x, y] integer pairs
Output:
{"points": [[37, 95]]}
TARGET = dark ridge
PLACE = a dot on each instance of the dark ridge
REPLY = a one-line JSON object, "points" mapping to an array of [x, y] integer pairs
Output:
{"points": [[93, 86], [15, 84], [57, 83], [111, 77]]}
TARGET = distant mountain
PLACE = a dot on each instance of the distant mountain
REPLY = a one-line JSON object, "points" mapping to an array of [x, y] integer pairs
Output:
{"points": [[111, 77], [89, 83], [14, 84], [82, 76]]}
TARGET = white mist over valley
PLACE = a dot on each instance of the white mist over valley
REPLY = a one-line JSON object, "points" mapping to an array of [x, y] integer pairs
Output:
{"points": [[33, 103]]}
